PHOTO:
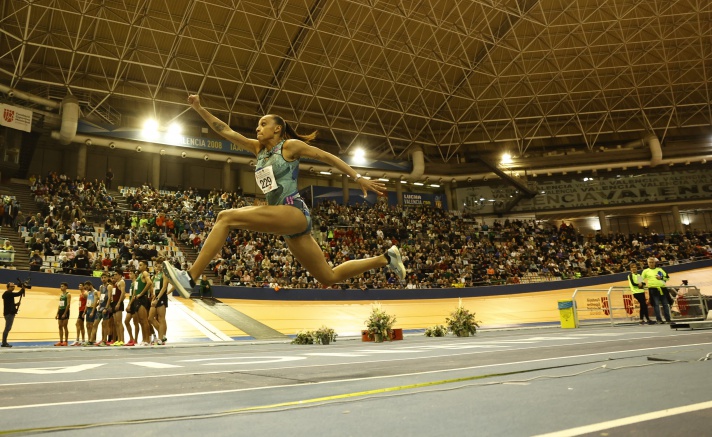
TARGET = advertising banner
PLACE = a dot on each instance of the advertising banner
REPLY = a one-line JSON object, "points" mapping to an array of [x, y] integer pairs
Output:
{"points": [[16, 117], [587, 192]]}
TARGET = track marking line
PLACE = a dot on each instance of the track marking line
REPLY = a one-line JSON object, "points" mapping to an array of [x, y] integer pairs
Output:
{"points": [[653, 415]]}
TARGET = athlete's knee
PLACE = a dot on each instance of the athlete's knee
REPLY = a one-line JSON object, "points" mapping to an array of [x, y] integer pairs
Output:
{"points": [[327, 278]]}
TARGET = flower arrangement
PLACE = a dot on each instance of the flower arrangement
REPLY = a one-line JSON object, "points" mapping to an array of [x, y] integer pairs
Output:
{"points": [[304, 337], [436, 331], [324, 335], [379, 323], [462, 322]]}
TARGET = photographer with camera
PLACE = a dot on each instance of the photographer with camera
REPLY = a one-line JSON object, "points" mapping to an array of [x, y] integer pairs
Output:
{"points": [[10, 308]]}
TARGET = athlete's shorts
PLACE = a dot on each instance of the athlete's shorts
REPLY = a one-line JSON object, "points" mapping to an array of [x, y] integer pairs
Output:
{"points": [[81, 316], [90, 315], [297, 202], [163, 301], [144, 302], [103, 315], [121, 306], [61, 315]]}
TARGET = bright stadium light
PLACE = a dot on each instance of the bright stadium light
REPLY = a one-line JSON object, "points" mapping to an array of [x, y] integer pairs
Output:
{"points": [[359, 156], [150, 129]]}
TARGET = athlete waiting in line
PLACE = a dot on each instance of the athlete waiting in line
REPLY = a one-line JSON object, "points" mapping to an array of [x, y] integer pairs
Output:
{"points": [[278, 149], [90, 314], [131, 311], [142, 301], [104, 311], [117, 302], [81, 330], [157, 313], [65, 300]]}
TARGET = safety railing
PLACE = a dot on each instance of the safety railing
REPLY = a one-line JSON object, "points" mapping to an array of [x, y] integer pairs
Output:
{"points": [[616, 305], [613, 305]]}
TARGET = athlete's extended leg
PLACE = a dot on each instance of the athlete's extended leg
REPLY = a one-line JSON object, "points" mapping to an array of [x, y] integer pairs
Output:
{"points": [[306, 250]]}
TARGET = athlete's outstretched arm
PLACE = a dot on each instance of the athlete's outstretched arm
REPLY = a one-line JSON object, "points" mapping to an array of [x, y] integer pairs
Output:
{"points": [[297, 149], [221, 127]]}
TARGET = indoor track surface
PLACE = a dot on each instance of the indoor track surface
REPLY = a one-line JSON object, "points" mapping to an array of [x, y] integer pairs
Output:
{"points": [[613, 381]]}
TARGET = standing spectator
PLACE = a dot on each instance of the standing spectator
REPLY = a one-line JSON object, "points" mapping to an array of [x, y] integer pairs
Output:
{"points": [[109, 178], [65, 300], [80, 263], [9, 309], [655, 279], [635, 281]]}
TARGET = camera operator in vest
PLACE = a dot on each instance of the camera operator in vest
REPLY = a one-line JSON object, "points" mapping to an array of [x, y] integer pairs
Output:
{"points": [[635, 282], [655, 278]]}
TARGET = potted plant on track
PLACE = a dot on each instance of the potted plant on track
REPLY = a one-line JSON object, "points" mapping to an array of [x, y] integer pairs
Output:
{"points": [[324, 335], [379, 324], [462, 322]]}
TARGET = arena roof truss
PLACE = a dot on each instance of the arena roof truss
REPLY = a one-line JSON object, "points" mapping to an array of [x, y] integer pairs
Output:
{"points": [[460, 78]]}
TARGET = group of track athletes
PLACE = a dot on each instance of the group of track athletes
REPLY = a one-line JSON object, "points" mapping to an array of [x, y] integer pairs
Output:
{"points": [[104, 308]]}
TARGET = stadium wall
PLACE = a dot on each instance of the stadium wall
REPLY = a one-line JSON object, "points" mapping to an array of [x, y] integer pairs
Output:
{"points": [[307, 294]]}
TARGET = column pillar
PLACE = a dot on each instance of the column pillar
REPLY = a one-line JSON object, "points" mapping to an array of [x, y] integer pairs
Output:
{"points": [[451, 191], [399, 192], [82, 161], [345, 188], [677, 219], [156, 171], [227, 184], [603, 223]]}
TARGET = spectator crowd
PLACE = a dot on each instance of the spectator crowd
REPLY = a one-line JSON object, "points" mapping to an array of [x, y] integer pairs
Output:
{"points": [[440, 248]]}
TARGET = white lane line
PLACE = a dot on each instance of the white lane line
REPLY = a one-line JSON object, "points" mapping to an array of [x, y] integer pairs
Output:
{"points": [[326, 354], [588, 429], [429, 372], [377, 360], [200, 323], [153, 365], [51, 370]]}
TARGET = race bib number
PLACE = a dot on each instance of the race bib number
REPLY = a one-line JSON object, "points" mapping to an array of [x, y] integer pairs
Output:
{"points": [[265, 179], [157, 286], [102, 298]]}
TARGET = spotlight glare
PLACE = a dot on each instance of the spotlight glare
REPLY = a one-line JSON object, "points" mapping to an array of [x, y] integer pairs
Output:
{"points": [[359, 156], [150, 129]]}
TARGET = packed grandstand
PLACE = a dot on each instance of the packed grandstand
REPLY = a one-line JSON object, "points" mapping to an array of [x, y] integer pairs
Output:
{"points": [[83, 228]]}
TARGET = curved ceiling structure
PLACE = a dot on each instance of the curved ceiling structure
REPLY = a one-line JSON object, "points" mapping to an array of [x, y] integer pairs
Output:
{"points": [[463, 79]]}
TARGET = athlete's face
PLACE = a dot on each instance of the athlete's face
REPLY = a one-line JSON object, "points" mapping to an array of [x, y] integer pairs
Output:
{"points": [[267, 128]]}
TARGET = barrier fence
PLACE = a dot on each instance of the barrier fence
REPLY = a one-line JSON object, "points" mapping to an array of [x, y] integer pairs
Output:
{"points": [[616, 305]]}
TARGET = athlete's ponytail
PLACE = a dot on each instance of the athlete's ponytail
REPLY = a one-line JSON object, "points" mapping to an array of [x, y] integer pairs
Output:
{"points": [[289, 132]]}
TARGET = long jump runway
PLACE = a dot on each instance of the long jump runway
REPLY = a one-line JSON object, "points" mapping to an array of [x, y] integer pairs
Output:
{"points": [[624, 380]]}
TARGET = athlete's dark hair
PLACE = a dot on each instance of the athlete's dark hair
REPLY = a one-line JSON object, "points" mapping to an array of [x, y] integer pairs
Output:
{"points": [[289, 132]]}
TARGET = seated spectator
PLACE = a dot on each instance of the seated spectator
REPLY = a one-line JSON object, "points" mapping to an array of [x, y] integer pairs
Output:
{"points": [[8, 246], [205, 287], [36, 261]]}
